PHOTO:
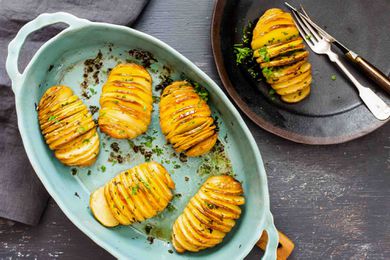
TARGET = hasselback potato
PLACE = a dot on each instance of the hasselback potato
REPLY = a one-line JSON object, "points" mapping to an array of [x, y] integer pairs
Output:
{"points": [[133, 195], [68, 127], [126, 102], [185, 120], [279, 49], [209, 215]]}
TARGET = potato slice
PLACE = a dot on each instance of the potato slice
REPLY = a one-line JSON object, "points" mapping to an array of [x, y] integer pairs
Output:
{"points": [[296, 87], [286, 60], [297, 96], [100, 209], [291, 82], [275, 36], [302, 69]]}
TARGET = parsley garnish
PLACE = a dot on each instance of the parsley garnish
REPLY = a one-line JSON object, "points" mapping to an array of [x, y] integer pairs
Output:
{"points": [[51, 118], [264, 54], [242, 53], [333, 77], [134, 189], [201, 91], [267, 72], [103, 168]]}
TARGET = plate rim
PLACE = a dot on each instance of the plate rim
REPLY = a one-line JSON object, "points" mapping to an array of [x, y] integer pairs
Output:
{"points": [[218, 11]]}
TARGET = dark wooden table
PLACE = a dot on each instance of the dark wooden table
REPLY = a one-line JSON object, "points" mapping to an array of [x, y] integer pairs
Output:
{"points": [[332, 201]]}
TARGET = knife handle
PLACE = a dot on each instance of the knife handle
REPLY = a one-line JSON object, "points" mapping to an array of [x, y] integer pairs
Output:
{"points": [[371, 71]]}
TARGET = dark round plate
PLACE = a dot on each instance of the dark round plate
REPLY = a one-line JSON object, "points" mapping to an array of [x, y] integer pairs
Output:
{"points": [[333, 113]]}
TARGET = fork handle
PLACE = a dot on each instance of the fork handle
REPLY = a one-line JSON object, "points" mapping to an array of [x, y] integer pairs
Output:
{"points": [[370, 70], [373, 102]]}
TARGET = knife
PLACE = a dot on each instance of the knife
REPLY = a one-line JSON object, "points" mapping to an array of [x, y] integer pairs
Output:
{"points": [[370, 70]]}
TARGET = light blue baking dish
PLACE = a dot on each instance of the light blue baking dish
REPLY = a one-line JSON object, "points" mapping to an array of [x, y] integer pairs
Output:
{"points": [[59, 61]]}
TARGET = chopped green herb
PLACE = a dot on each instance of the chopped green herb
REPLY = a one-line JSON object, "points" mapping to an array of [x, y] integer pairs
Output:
{"points": [[81, 129], [271, 92], [157, 150], [201, 91], [145, 184], [134, 189], [103, 168], [51, 118], [242, 53], [267, 72], [264, 54], [210, 206], [149, 141], [285, 33], [333, 77], [170, 207], [86, 140]]}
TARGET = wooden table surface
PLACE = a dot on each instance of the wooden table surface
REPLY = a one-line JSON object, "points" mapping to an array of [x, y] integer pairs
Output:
{"points": [[332, 201]]}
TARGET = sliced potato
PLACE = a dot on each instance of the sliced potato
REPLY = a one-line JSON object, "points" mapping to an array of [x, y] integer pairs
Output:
{"points": [[100, 209], [279, 50], [295, 87], [67, 127], [185, 120], [134, 195], [126, 102], [209, 215], [296, 96], [286, 60], [276, 36]]}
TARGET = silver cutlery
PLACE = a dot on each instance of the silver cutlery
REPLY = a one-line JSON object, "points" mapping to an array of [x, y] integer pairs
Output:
{"points": [[320, 44]]}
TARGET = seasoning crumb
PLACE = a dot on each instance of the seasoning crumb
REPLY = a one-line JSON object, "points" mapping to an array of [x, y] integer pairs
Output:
{"points": [[183, 157], [77, 195], [170, 251], [150, 239], [73, 171], [50, 67], [145, 57], [93, 109], [115, 147], [186, 178], [148, 228], [89, 172]]}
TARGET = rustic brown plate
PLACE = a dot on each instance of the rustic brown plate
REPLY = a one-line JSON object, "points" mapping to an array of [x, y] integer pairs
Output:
{"points": [[333, 113]]}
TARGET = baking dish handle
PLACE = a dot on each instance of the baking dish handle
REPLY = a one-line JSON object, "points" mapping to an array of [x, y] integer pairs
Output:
{"points": [[273, 239], [16, 44]]}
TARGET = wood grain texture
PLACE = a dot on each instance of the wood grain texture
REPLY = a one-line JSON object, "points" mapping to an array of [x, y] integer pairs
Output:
{"points": [[332, 201]]}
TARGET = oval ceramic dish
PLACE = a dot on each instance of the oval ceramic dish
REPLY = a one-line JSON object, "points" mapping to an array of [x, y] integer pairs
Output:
{"points": [[61, 60]]}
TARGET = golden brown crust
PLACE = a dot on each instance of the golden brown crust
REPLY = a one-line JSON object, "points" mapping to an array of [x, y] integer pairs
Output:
{"points": [[135, 195], [126, 102], [68, 127], [185, 120], [209, 215], [279, 50]]}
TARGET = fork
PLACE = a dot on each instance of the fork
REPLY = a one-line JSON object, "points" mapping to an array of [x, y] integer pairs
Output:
{"points": [[321, 46]]}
